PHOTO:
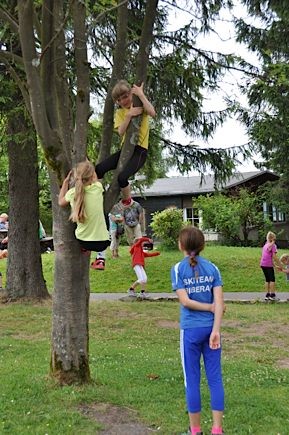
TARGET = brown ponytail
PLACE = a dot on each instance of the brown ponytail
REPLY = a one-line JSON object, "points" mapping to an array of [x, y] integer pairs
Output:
{"points": [[192, 241]]}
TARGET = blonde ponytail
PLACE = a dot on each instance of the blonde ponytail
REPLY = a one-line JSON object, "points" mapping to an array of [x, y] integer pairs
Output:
{"points": [[84, 173]]}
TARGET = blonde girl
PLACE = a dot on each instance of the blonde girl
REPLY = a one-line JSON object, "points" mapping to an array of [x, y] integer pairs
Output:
{"points": [[86, 201], [268, 260], [122, 94]]}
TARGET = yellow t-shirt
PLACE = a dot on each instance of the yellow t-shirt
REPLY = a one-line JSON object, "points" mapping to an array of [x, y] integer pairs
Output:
{"points": [[94, 227], [143, 136]]}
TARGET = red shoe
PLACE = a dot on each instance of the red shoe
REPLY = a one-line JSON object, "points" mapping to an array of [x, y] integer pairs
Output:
{"points": [[98, 264]]}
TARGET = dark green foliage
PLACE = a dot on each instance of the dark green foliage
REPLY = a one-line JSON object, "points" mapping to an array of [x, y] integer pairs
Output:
{"points": [[166, 226], [233, 217], [267, 120]]}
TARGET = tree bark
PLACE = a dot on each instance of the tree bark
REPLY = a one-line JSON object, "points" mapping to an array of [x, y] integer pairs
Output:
{"points": [[117, 74], [69, 347], [141, 72], [24, 271], [60, 135]]}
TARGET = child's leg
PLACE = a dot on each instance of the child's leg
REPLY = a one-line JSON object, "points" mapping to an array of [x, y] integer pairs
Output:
{"points": [[113, 243], [129, 233], [134, 285], [136, 161], [107, 165], [217, 427], [212, 362], [190, 349], [137, 231], [141, 277], [267, 280], [195, 422]]}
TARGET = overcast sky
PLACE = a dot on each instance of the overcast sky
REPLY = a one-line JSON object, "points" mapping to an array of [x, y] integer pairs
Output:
{"points": [[232, 132]]}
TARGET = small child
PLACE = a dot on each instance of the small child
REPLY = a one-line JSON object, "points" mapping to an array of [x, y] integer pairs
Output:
{"points": [[268, 260], [86, 201], [122, 94], [285, 262], [115, 225], [198, 285], [138, 261]]}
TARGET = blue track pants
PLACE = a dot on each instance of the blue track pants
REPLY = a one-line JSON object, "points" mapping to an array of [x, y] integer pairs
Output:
{"points": [[194, 342]]}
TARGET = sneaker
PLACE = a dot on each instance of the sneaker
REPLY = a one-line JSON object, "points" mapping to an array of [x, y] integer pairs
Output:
{"points": [[273, 297], [143, 295], [267, 297], [98, 264], [131, 292]]}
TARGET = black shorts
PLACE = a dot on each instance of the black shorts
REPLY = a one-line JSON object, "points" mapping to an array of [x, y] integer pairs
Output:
{"points": [[269, 273], [94, 246]]}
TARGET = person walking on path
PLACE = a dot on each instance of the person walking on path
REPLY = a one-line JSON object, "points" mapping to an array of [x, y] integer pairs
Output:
{"points": [[268, 260], [198, 285]]}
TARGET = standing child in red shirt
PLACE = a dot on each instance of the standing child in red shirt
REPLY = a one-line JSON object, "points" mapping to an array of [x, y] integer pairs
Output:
{"points": [[138, 261]]}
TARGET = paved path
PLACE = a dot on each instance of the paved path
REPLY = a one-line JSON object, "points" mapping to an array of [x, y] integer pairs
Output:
{"points": [[228, 296]]}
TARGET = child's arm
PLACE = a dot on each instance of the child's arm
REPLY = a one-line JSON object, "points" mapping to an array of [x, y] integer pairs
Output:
{"points": [[270, 245], [215, 337], [148, 107], [193, 305], [152, 254], [64, 188], [133, 111], [276, 261]]}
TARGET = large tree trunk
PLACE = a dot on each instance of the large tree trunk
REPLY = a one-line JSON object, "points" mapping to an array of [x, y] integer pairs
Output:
{"points": [[69, 352], [24, 272], [64, 142]]}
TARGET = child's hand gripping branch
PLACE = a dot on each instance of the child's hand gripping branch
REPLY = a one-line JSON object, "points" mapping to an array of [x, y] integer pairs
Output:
{"points": [[64, 188]]}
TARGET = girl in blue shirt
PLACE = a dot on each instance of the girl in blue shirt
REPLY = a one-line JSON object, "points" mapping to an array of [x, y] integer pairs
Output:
{"points": [[198, 285]]}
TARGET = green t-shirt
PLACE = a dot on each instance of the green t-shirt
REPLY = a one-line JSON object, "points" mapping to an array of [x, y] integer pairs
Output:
{"points": [[94, 227]]}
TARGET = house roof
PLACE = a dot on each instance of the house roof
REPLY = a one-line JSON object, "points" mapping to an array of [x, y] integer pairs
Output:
{"points": [[192, 185]]}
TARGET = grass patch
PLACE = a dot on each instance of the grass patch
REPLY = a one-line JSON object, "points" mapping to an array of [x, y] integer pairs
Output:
{"points": [[239, 268], [134, 360]]}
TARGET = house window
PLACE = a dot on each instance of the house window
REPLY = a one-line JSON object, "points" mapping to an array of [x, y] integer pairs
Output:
{"points": [[273, 213], [192, 215]]}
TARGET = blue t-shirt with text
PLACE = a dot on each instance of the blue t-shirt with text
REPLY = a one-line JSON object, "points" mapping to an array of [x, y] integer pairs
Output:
{"points": [[199, 282]]}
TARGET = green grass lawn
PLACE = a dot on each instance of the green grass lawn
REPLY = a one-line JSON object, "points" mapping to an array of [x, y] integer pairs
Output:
{"points": [[135, 363], [239, 268]]}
